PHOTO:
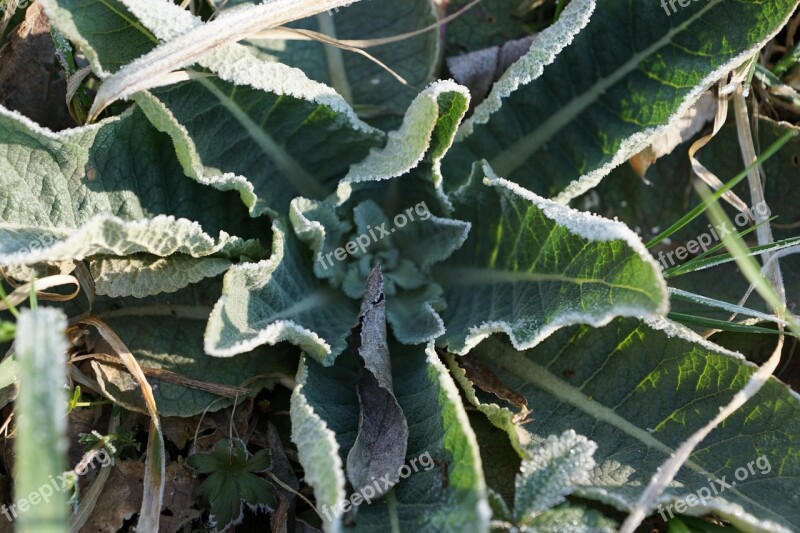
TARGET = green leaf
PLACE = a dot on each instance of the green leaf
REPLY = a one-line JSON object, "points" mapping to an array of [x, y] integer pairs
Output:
{"points": [[142, 275], [564, 126], [232, 482], [572, 519], [41, 445], [531, 266], [364, 84], [90, 193], [285, 135], [317, 447], [279, 299], [165, 333], [445, 491], [639, 390], [112, 190], [427, 133], [554, 469]]}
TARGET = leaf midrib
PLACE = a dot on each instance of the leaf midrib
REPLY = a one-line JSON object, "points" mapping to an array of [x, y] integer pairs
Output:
{"points": [[540, 377], [509, 160], [305, 184], [461, 276]]}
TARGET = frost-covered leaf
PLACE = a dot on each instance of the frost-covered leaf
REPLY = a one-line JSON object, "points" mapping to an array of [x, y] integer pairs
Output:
{"points": [[285, 135], [280, 299], [232, 482], [373, 91], [445, 490], [165, 333], [317, 447], [572, 519], [558, 122], [556, 466], [143, 275], [380, 445], [41, 427], [531, 266], [112, 190], [427, 133], [639, 390]]}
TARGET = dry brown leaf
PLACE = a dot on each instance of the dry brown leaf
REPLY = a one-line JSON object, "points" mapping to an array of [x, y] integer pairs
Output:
{"points": [[123, 495], [31, 81]]}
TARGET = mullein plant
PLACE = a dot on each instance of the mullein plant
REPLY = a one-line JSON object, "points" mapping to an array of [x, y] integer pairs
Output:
{"points": [[278, 197]]}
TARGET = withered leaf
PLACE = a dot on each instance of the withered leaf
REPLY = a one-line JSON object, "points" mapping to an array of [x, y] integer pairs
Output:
{"points": [[380, 446], [484, 379]]}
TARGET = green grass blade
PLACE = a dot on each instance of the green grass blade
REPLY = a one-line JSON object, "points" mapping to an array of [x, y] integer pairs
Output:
{"points": [[700, 209], [723, 325], [40, 502], [701, 264], [725, 306]]}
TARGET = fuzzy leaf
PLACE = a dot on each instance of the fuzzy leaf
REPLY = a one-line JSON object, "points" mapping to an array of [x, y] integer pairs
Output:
{"points": [[572, 519], [568, 119], [445, 491], [639, 390], [531, 266], [279, 299], [142, 275], [427, 133], [73, 195], [556, 466], [285, 135]]}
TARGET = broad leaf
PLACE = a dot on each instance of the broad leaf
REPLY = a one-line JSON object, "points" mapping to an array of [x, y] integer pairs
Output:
{"points": [[285, 135], [142, 275], [367, 86], [280, 299], [572, 519], [441, 485], [639, 390], [531, 266], [165, 334], [425, 136], [112, 190], [563, 127], [556, 466]]}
